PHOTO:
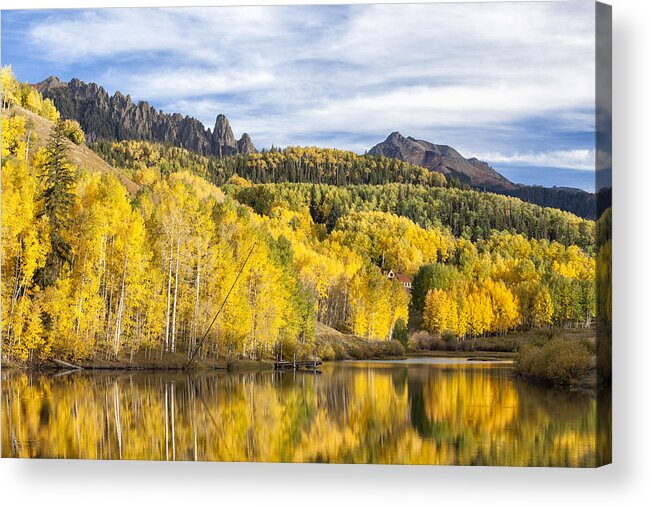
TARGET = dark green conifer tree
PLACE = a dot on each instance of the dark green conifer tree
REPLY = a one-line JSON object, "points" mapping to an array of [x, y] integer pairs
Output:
{"points": [[58, 198]]}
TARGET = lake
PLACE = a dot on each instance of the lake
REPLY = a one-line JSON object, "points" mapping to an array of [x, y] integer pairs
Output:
{"points": [[419, 411]]}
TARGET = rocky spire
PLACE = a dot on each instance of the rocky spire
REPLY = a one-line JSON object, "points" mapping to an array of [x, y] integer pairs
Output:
{"points": [[223, 140], [245, 145]]}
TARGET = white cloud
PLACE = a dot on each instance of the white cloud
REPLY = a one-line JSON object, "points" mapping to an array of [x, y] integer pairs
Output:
{"points": [[580, 159], [305, 75], [188, 82], [190, 33]]}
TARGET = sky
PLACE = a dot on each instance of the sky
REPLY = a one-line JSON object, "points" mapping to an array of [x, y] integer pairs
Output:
{"points": [[509, 83]]}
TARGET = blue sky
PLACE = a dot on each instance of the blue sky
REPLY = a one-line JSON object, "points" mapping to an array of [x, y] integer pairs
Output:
{"points": [[509, 83]]}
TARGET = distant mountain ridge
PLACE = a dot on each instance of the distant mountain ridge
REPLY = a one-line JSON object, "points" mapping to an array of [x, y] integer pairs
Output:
{"points": [[479, 175], [117, 117], [443, 159]]}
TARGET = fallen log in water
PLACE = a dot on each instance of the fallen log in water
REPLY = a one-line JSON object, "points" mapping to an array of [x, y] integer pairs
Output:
{"points": [[63, 364]]}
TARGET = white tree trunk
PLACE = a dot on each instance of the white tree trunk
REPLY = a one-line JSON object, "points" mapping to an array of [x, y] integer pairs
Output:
{"points": [[195, 316], [176, 287], [118, 320], [169, 295], [29, 135], [173, 430]]}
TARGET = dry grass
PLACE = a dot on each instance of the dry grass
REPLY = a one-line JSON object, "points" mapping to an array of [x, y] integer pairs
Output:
{"points": [[80, 155], [334, 345]]}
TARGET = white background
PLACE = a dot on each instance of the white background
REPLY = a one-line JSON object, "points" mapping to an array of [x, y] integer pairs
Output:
{"points": [[626, 482]]}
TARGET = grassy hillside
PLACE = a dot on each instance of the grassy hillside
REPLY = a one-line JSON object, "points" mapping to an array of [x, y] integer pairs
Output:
{"points": [[80, 155]]}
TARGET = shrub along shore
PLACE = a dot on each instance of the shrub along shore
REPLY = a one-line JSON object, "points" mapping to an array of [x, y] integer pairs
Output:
{"points": [[554, 357]]}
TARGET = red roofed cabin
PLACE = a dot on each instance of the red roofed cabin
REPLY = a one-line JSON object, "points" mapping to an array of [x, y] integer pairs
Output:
{"points": [[405, 280]]}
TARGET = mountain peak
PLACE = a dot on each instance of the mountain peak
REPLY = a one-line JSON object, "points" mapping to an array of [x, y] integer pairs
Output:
{"points": [[49, 83], [395, 136], [441, 158]]}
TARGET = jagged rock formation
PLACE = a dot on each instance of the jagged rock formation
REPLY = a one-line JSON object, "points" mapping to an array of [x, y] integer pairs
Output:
{"points": [[118, 118]]}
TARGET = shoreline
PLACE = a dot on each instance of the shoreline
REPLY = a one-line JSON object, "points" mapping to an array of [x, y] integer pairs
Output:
{"points": [[151, 365], [238, 365], [332, 347], [482, 355], [586, 384]]}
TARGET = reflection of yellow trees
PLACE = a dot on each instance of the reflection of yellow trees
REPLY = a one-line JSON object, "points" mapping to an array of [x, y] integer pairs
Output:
{"points": [[471, 402], [326, 442], [503, 423], [351, 414]]}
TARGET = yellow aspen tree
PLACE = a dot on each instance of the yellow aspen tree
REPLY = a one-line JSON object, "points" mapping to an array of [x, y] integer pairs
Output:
{"points": [[9, 87], [542, 308], [25, 247], [13, 137]]}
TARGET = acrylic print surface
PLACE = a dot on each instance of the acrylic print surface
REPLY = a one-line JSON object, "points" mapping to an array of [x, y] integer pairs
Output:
{"points": [[343, 234]]}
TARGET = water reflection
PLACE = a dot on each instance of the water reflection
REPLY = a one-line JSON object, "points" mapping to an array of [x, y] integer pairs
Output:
{"points": [[352, 413]]}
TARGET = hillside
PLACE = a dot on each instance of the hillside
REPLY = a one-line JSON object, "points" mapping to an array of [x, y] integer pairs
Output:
{"points": [[333, 183], [80, 155], [292, 164], [466, 213]]}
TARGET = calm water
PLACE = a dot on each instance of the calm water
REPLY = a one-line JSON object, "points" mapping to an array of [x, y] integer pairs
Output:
{"points": [[421, 411]]}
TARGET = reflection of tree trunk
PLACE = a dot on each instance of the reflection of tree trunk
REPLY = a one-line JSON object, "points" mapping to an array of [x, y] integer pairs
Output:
{"points": [[77, 432], [252, 397], [194, 418], [173, 432], [118, 425], [167, 439]]}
